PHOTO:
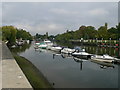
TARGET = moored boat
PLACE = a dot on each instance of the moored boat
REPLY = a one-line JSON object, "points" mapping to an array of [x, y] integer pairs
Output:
{"points": [[103, 58], [48, 42], [42, 45], [56, 48], [81, 54], [45, 44], [67, 50], [37, 42]]}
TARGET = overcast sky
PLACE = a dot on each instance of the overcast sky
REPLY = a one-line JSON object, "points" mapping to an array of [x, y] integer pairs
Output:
{"points": [[57, 17]]}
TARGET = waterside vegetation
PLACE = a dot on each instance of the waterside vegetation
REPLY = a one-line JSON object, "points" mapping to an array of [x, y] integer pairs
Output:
{"points": [[90, 33], [11, 33], [34, 76]]}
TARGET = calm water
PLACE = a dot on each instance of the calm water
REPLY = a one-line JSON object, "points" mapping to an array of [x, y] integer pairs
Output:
{"points": [[68, 73]]}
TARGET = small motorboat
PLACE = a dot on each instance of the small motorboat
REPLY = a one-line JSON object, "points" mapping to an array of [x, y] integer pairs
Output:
{"points": [[45, 44], [37, 42], [103, 65], [48, 42], [42, 45], [81, 54], [103, 58], [67, 50], [64, 55], [56, 48]]}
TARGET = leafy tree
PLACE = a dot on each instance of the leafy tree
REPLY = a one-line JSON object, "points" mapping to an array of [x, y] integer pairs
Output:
{"points": [[102, 32], [112, 33], [118, 30], [23, 34], [9, 34]]}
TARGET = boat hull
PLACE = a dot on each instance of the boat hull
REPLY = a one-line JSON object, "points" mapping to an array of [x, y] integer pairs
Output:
{"points": [[82, 56], [103, 60]]}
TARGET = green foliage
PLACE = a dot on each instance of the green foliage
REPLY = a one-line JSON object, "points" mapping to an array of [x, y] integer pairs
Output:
{"points": [[118, 30], [35, 77], [42, 37], [89, 32], [10, 34], [23, 34]]}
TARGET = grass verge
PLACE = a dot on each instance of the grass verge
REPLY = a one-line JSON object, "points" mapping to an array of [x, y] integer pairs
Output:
{"points": [[34, 76]]}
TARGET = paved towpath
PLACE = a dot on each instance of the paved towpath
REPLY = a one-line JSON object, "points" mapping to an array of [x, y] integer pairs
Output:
{"points": [[12, 75], [0, 65]]}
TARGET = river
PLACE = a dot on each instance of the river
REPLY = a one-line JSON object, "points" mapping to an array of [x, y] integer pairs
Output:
{"points": [[69, 73]]}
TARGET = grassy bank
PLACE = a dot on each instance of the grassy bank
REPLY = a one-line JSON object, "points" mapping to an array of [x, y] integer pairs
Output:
{"points": [[34, 76]]}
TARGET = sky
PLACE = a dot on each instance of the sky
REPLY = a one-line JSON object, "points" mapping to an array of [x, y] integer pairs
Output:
{"points": [[57, 17]]}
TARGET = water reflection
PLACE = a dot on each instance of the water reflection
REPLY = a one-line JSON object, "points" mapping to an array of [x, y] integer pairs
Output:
{"points": [[68, 72], [79, 61], [112, 51], [103, 50], [20, 49], [103, 65]]}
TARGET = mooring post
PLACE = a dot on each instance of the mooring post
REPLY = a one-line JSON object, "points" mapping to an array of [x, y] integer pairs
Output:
{"points": [[119, 42], [110, 42]]}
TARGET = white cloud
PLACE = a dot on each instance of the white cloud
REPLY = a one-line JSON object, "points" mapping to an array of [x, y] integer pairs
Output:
{"points": [[0, 14], [50, 28], [57, 17], [60, 0], [41, 28], [98, 12], [63, 11]]}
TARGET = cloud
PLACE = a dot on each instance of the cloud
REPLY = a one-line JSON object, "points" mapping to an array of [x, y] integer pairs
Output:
{"points": [[98, 12], [0, 14], [56, 18], [63, 11], [41, 28], [60, 0], [50, 28]]}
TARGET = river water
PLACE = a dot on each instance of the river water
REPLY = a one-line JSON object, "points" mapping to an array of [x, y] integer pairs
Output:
{"points": [[69, 73]]}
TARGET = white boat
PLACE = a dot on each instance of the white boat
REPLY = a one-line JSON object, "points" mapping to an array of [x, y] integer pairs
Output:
{"points": [[42, 45], [81, 54], [103, 64], [37, 43], [67, 50], [55, 48], [103, 58], [84, 55], [64, 55], [45, 44], [48, 42]]}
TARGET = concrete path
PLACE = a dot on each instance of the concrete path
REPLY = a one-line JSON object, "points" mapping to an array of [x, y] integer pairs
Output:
{"points": [[12, 75], [0, 65]]}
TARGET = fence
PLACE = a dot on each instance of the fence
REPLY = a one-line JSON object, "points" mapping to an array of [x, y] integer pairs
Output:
{"points": [[104, 43]]}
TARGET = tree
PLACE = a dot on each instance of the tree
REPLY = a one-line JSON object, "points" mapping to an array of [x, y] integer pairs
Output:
{"points": [[102, 32], [112, 32], [23, 34], [118, 30], [9, 34]]}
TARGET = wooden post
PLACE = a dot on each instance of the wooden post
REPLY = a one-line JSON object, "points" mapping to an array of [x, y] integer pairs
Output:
{"points": [[119, 42], [110, 42], [96, 41], [81, 41]]}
